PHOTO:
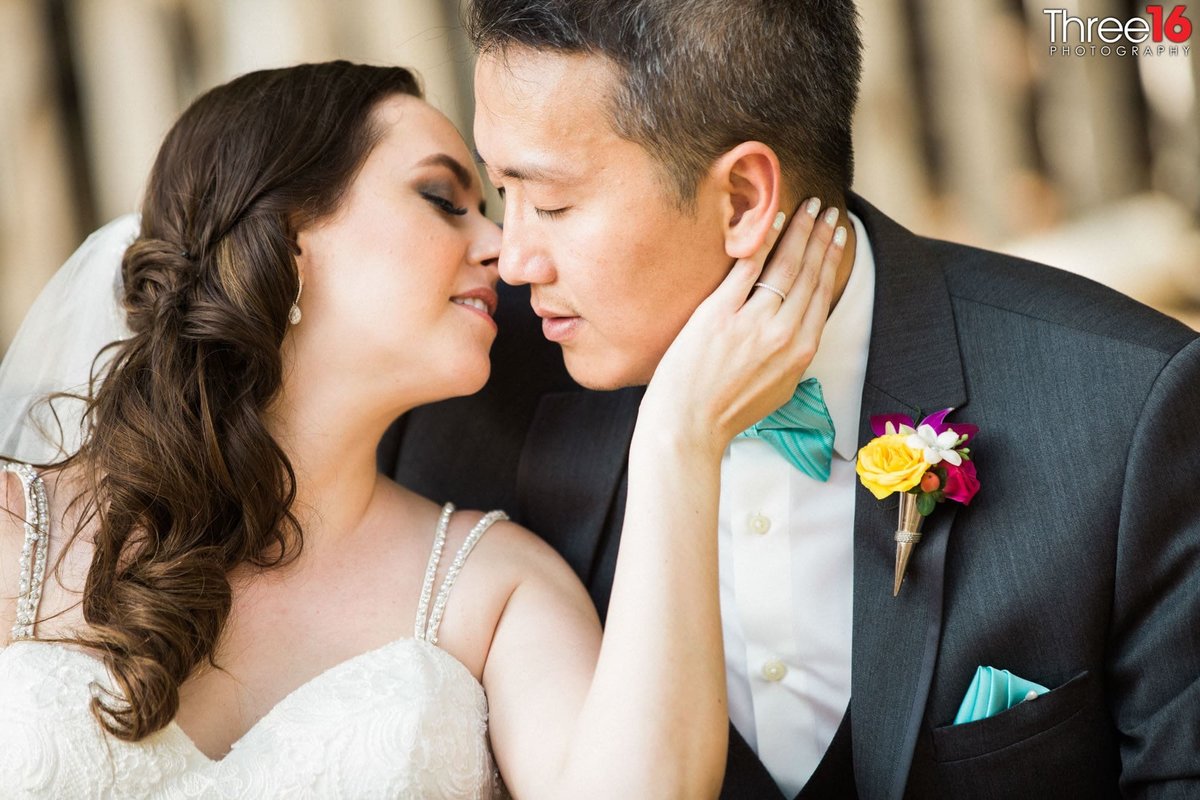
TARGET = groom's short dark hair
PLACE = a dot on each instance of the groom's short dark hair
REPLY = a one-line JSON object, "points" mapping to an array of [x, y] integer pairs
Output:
{"points": [[697, 77]]}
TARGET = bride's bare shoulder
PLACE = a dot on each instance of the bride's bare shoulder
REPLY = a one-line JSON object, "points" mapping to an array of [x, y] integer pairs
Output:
{"points": [[518, 562], [504, 557], [504, 549], [518, 551], [506, 561]]}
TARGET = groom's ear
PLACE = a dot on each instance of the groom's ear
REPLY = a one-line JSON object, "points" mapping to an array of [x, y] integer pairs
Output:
{"points": [[750, 181]]}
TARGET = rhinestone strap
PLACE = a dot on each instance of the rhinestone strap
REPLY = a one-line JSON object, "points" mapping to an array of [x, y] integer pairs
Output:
{"points": [[33, 551], [460, 558], [429, 630], [435, 556]]}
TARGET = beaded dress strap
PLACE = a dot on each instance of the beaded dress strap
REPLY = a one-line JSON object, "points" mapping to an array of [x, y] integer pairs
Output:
{"points": [[428, 621], [33, 551]]}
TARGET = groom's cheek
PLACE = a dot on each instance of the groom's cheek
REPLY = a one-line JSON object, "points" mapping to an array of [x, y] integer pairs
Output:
{"points": [[635, 266]]}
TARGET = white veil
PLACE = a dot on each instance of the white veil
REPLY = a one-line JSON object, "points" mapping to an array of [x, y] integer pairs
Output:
{"points": [[77, 313]]}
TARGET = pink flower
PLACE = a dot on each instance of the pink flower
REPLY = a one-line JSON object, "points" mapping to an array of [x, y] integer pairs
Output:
{"points": [[961, 483]]}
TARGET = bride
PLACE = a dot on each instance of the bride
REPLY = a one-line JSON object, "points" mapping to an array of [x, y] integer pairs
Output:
{"points": [[214, 596]]}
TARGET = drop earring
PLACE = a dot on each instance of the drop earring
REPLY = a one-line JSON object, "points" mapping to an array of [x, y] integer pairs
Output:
{"points": [[294, 315]]}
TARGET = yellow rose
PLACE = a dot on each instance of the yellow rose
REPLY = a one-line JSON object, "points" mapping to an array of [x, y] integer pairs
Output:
{"points": [[887, 464]]}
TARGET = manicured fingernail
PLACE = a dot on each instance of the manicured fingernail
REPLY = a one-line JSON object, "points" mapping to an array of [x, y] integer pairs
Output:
{"points": [[831, 215], [839, 236], [778, 223], [812, 207]]}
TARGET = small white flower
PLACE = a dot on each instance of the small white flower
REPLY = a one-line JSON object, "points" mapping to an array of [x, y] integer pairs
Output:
{"points": [[890, 429], [936, 447]]}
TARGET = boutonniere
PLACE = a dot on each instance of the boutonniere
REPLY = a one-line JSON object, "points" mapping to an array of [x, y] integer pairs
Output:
{"points": [[927, 463]]}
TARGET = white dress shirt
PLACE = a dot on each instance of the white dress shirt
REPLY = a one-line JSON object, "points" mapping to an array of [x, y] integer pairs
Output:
{"points": [[786, 550]]}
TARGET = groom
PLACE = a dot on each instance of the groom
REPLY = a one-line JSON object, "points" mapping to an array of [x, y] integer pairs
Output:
{"points": [[634, 139]]}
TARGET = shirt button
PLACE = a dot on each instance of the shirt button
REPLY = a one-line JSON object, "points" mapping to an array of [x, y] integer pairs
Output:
{"points": [[774, 670], [759, 523]]}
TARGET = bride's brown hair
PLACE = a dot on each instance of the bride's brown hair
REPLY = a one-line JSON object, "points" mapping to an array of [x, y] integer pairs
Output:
{"points": [[182, 477]]}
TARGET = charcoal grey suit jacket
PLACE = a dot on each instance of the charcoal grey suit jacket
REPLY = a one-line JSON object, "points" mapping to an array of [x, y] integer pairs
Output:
{"points": [[1077, 565]]}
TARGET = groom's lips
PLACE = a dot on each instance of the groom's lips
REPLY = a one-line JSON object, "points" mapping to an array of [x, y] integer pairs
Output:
{"points": [[557, 326]]}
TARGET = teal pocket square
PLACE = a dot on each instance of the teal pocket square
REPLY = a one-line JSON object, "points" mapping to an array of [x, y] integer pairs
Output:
{"points": [[992, 691]]}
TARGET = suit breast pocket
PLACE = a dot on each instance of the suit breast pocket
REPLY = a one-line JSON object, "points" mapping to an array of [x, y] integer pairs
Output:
{"points": [[1063, 739], [1037, 718]]}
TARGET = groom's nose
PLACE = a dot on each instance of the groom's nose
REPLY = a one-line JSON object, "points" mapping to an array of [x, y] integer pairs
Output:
{"points": [[523, 260]]}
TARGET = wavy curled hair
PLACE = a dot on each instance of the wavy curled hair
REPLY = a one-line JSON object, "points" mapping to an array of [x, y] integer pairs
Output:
{"points": [[181, 476]]}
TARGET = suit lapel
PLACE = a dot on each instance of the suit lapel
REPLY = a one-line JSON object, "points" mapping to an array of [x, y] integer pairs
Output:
{"points": [[914, 367], [572, 461]]}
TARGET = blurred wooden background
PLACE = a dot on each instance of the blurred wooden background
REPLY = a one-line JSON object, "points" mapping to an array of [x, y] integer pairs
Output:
{"points": [[967, 128]]}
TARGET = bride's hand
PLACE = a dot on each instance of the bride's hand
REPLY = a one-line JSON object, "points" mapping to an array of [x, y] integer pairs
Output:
{"points": [[743, 351]]}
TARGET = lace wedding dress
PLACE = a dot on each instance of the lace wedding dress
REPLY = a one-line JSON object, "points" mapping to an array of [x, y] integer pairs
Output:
{"points": [[406, 720]]}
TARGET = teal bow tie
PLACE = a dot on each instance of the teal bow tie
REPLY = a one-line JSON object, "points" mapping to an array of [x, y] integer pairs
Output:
{"points": [[801, 431]]}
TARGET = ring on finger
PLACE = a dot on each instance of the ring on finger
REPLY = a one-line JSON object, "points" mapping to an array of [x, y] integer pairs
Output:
{"points": [[770, 288]]}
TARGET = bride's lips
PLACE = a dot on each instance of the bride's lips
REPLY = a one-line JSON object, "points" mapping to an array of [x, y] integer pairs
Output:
{"points": [[557, 326], [471, 300]]}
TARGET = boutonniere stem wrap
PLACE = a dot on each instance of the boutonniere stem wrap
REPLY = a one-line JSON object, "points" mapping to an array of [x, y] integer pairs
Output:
{"points": [[926, 463]]}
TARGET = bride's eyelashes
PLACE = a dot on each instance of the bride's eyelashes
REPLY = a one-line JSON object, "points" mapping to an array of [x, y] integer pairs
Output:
{"points": [[442, 204]]}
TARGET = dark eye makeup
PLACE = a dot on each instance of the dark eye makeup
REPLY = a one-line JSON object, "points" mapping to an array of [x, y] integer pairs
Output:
{"points": [[442, 204]]}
